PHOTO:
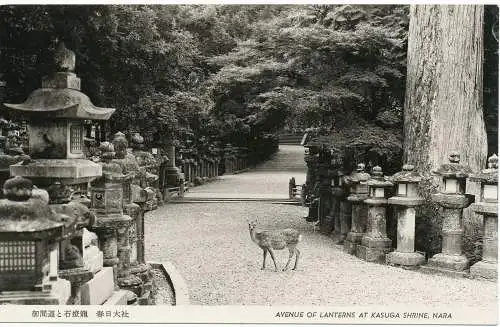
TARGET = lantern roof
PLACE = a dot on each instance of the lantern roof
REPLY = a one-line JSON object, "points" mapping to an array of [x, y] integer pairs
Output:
{"points": [[60, 95], [358, 176], [377, 178], [453, 169], [408, 175], [22, 215], [490, 174]]}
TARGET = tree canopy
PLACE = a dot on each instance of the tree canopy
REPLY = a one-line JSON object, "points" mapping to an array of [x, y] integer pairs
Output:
{"points": [[225, 72]]}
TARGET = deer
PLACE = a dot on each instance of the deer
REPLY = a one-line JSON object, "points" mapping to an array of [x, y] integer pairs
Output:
{"points": [[276, 240]]}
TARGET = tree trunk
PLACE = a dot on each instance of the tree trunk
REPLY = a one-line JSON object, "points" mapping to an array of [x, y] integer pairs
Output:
{"points": [[444, 106]]}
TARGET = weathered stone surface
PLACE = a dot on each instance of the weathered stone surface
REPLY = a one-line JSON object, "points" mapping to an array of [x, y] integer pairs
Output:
{"points": [[405, 259], [93, 258], [59, 294], [68, 171], [372, 254], [117, 298], [405, 201], [450, 262], [485, 208], [453, 201], [99, 289], [484, 270]]}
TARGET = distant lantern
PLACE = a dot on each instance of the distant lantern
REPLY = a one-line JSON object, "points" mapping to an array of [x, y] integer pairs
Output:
{"points": [[29, 239], [377, 184], [357, 180], [489, 185], [453, 175], [407, 182]]}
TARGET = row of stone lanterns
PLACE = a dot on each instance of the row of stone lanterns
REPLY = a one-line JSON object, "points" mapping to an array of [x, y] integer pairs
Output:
{"points": [[369, 196], [235, 159], [43, 231]]}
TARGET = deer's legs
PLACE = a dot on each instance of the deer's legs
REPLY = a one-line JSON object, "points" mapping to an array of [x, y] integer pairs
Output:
{"points": [[272, 257], [264, 261], [290, 255], [297, 255]]}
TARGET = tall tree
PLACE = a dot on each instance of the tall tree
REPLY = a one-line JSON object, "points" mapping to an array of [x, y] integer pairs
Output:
{"points": [[444, 104]]}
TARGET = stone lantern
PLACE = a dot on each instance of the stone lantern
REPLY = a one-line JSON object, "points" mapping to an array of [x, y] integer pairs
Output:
{"points": [[375, 244], [313, 179], [55, 116], [337, 193], [29, 248], [405, 201], [488, 207], [112, 226], [453, 200], [358, 190]]}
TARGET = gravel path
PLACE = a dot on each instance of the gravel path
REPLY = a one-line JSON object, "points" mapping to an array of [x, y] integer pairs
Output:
{"points": [[210, 245], [269, 179]]}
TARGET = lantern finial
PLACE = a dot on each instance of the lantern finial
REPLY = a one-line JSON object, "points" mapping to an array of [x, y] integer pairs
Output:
{"points": [[18, 189], [493, 162], [64, 59], [107, 150], [377, 173], [454, 157], [408, 167]]}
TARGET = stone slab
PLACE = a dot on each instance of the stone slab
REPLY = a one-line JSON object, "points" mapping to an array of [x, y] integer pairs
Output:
{"points": [[444, 272], [117, 298], [450, 262], [372, 254], [485, 208], [372, 242], [405, 201], [59, 294], [80, 170], [100, 288], [484, 270], [405, 259], [453, 201]]}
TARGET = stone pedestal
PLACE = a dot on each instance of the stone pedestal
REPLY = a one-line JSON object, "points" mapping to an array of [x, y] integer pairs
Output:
{"points": [[451, 260], [358, 222], [487, 267], [337, 194], [405, 254], [77, 277], [375, 244], [404, 203], [345, 220]]}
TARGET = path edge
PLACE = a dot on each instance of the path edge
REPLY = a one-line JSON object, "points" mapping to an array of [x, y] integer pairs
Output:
{"points": [[176, 281]]}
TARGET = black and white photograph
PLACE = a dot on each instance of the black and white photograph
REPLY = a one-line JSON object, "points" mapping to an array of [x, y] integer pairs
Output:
{"points": [[314, 163]]}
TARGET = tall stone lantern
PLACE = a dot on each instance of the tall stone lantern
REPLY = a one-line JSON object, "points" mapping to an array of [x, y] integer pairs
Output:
{"points": [[453, 200], [29, 248], [111, 225], [405, 201], [488, 207], [55, 116], [358, 190], [375, 244]]}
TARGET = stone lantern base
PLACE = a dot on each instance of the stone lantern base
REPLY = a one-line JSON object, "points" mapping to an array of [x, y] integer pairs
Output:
{"points": [[373, 249], [351, 242], [58, 294], [445, 264], [405, 259], [484, 269]]}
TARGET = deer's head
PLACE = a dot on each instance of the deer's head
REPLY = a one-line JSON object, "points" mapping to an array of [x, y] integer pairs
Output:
{"points": [[252, 225]]}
